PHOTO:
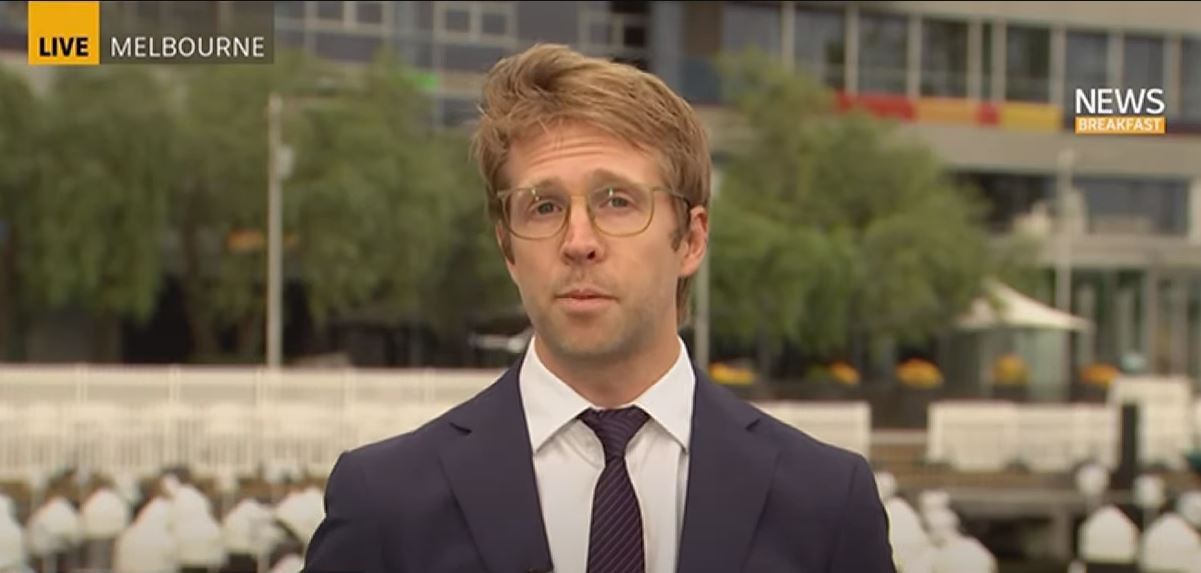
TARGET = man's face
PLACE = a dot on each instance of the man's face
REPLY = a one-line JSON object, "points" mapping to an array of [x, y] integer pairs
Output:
{"points": [[590, 295]]}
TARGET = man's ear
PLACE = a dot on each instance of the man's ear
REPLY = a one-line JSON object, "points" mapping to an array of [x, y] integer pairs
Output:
{"points": [[695, 243], [505, 242]]}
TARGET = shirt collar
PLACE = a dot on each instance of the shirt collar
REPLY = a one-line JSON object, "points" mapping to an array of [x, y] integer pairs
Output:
{"points": [[550, 404]]}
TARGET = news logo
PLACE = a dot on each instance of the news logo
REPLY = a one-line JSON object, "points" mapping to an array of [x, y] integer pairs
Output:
{"points": [[65, 33], [1115, 111]]}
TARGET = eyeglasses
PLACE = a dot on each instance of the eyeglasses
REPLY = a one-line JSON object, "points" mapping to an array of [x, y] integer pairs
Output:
{"points": [[615, 210]]}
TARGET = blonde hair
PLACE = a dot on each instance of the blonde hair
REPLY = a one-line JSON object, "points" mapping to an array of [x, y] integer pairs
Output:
{"points": [[550, 84]]}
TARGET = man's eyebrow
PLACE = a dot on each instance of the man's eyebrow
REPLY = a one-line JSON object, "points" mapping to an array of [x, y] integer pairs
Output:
{"points": [[552, 182], [595, 178], [604, 177]]}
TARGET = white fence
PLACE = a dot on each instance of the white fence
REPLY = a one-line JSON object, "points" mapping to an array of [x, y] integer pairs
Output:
{"points": [[201, 386], [844, 424], [226, 421], [993, 435], [135, 420]]}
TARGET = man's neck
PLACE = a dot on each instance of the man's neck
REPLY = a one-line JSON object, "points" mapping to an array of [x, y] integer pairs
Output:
{"points": [[610, 382]]}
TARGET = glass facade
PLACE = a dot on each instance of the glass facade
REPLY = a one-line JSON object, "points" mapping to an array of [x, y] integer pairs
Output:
{"points": [[1027, 64], [751, 26], [1135, 206], [987, 30], [1142, 62], [819, 44], [1009, 195], [883, 52], [1086, 65], [944, 58], [1190, 78], [469, 36]]}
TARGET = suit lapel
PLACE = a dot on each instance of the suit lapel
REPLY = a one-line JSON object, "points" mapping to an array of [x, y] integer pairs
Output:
{"points": [[730, 471], [491, 471]]}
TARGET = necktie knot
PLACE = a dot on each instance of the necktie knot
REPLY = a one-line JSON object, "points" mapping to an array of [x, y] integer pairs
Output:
{"points": [[615, 428]]}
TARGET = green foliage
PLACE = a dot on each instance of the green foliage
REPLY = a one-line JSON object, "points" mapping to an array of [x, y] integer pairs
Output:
{"points": [[370, 198], [829, 226], [121, 175], [220, 184], [94, 218]]}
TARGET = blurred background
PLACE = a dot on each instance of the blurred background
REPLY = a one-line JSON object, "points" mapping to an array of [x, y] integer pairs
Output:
{"points": [[214, 278]]}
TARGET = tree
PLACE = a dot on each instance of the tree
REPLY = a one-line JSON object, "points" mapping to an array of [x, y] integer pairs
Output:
{"points": [[371, 195], [831, 232], [20, 114], [374, 213], [92, 224], [470, 283], [388, 212]]}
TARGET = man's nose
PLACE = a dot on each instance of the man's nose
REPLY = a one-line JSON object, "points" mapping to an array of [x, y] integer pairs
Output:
{"points": [[580, 241]]}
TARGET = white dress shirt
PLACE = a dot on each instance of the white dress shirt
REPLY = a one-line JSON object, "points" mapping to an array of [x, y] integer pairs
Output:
{"points": [[568, 460]]}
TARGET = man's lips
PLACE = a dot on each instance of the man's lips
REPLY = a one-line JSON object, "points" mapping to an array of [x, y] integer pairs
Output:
{"points": [[583, 301], [583, 294]]}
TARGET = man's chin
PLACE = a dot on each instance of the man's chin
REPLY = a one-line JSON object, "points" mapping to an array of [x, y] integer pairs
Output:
{"points": [[583, 343]]}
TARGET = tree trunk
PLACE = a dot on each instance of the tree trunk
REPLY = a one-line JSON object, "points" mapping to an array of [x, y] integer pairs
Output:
{"points": [[200, 321], [200, 325], [250, 339], [106, 339], [7, 279], [765, 351]]}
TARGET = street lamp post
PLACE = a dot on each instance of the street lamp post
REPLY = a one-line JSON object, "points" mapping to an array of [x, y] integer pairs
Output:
{"points": [[701, 332], [275, 166], [1065, 220]]}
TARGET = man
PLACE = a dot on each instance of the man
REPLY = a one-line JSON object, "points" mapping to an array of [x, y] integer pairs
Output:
{"points": [[603, 449]]}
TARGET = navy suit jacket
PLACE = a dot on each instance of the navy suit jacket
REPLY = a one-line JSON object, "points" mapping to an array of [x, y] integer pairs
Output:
{"points": [[459, 495]]}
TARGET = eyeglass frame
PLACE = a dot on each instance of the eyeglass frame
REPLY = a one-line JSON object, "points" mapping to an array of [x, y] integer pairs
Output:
{"points": [[503, 195]]}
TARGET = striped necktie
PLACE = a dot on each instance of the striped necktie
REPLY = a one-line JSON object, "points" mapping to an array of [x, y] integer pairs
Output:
{"points": [[615, 543]]}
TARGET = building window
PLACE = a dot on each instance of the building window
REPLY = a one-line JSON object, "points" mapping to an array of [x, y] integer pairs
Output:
{"points": [[944, 58], [347, 47], [289, 10], [819, 45], [458, 111], [1190, 78], [494, 24], [371, 13], [289, 39], [543, 22], [1010, 196], [1121, 206], [1086, 65], [456, 19], [752, 26], [617, 30], [470, 58], [986, 36], [883, 52], [1142, 62], [330, 11], [1027, 64], [475, 21]]}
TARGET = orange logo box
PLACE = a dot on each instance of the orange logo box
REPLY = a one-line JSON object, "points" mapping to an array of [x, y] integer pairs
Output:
{"points": [[64, 33]]}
